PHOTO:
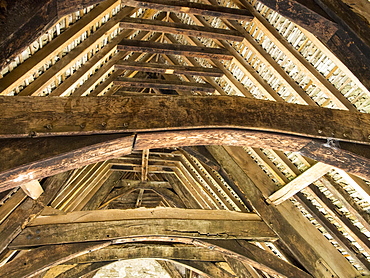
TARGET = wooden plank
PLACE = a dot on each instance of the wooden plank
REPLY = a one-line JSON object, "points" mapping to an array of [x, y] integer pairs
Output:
{"points": [[143, 213], [163, 84], [309, 176], [43, 258], [104, 114], [239, 268], [29, 209], [11, 204], [170, 269], [149, 250], [192, 8], [166, 48], [116, 229], [180, 28], [33, 189], [307, 244], [64, 161], [168, 69]]}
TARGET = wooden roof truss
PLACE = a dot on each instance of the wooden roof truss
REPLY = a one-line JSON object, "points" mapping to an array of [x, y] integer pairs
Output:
{"points": [[221, 138]]}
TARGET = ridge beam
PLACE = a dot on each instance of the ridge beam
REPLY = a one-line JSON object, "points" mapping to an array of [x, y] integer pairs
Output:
{"points": [[166, 48], [192, 8], [180, 28], [168, 69]]}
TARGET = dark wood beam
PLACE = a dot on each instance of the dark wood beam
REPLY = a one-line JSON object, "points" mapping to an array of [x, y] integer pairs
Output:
{"points": [[163, 84], [180, 28], [193, 8], [43, 258], [75, 115], [168, 69], [50, 156], [108, 224], [172, 49]]}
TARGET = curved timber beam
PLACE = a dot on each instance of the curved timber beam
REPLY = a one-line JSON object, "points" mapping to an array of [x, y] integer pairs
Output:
{"points": [[26, 159], [245, 252]]}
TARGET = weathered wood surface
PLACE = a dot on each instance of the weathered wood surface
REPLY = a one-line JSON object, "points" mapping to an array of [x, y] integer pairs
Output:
{"points": [[207, 268], [173, 49], [192, 8], [163, 84], [143, 213], [40, 259], [168, 69], [180, 28], [256, 257], [29, 209], [165, 226], [307, 244], [75, 115], [65, 154], [154, 251], [82, 269]]}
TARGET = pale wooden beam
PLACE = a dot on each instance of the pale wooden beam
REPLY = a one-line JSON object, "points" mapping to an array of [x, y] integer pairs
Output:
{"points": [[309, 176], [180, 28], [33, 189], [168, 69], [166, 48], [192, 7]]}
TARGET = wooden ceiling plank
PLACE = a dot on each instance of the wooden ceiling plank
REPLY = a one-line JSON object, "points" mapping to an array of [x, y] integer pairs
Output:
{"points": [[192, 7], [309, 176], [10, 205], [170, 268], [166, 48], [168, 69], [307, 244], [43, 258], [180, 28], [240, 269], [215, 111], [163, 84]]}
